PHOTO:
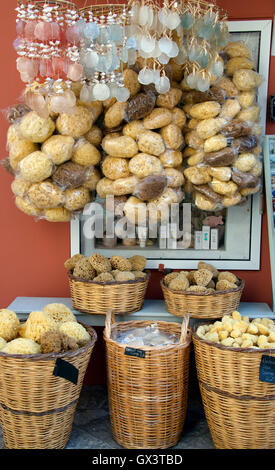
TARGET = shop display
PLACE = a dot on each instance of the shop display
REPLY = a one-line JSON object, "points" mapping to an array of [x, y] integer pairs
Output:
{"points": [[234, 388], [206, 280], [39, 395], [99, 284], [225, 136], [237, 331], [98, 268], [55, 329], [203, 293], [135, 375], [139, 100]]}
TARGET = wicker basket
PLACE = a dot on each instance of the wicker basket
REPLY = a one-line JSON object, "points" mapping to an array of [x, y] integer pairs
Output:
{"points": [[239, 408], [204, 306], [36, 407], [99, 298], [148, 396]]}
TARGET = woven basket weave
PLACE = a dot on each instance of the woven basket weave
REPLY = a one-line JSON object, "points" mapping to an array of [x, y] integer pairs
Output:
{"points": [[36, 407], [203, 306], [147, 396], [239, 408], [98, 298]]}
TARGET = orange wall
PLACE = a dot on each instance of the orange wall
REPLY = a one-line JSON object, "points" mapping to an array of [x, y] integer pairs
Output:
{"points": [[32, 252]]}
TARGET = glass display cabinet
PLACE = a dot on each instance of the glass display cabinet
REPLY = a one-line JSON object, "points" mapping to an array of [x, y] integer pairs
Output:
{"points": [[230, 237]]}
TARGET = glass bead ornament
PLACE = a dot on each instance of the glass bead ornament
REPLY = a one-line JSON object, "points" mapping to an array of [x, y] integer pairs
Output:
{"points": [[106, 44], [163, 85], [203, 83], [153, 37], [204, 32], [47, 49]]}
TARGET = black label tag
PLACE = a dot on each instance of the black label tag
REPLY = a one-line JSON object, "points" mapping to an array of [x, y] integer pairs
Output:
{"points": [[66, 370], [134, 352], [267, 369]]}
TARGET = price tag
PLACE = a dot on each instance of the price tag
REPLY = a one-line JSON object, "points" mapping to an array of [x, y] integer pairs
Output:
{"points": [[134, 352], [65, 370], [267, 369]]}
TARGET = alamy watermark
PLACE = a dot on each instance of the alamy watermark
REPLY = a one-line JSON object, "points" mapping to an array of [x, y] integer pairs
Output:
{"points": [[170, 221]]}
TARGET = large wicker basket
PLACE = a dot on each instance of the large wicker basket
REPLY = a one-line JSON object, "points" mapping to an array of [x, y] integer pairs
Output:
{"points": [[197, 305], [37, 407], [99, 298], [240, 409], [147, 396]]}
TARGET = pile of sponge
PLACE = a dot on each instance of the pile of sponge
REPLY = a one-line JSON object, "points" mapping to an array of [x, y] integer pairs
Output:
{"points": [[52, 330]]}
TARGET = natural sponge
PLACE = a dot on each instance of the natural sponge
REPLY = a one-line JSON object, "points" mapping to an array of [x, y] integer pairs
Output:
{"points": [[76, 331], [76, 124], [56, 341], [104, 277], [9, 324], [122, 276], [100, 263], [202, 277], [59, 148], [21, 346], [225, 285], [179, 283], [210, 267], [71, 262], [84, 269], [37, 324], [59, 312], [36, 167], [35, 128], [168, 278], [45, 195], [226, 275], [138, 262], [120, 263]]}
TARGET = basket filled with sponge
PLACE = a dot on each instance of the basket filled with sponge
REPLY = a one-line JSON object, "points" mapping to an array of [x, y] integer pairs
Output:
{"points": [[234, 358], [202, 293], [43, 361], [99, 284]]}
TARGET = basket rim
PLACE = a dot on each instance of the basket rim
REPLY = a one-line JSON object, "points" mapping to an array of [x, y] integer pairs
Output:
{"points": [[66, 354], [206, 294], [109, 283], [227, 348], [149, 348]]}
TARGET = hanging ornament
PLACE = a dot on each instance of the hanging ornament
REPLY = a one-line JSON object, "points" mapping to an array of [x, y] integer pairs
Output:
{"points": [[204, 34], [47, 46], [104, 48], [152, 32]]}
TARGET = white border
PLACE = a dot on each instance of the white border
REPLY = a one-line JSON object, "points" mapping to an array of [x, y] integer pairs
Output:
{"points": [[263, 26], [271, 231]]}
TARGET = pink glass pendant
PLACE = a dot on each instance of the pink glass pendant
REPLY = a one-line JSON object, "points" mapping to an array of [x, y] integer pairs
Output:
{"points": [[20, 28], [37, 103], [27, 68], [75, 72], [73, 34], [47, 31], [58, 65], [29, 30], [46, 69], [64, 103]]}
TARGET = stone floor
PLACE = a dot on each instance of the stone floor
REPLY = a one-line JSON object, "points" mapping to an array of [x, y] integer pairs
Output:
{"points": [[92, 430]]}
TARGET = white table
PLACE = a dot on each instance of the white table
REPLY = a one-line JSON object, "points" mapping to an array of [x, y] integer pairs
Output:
{"points": [[152, 310]]}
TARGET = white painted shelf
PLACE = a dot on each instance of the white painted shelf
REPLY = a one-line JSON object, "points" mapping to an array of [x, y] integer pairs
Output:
{"points": [[152, 310]]}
